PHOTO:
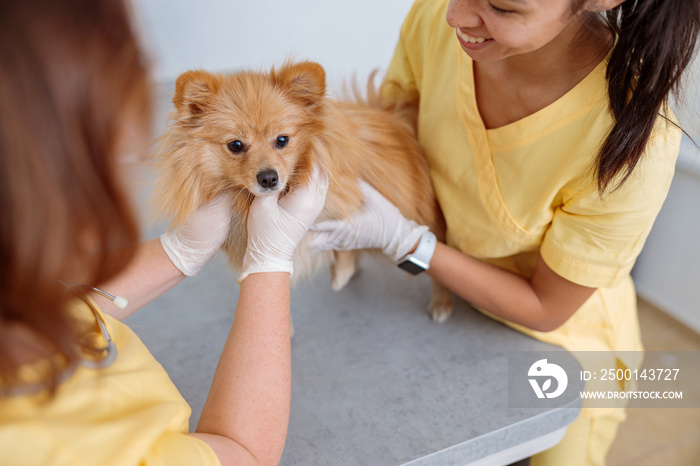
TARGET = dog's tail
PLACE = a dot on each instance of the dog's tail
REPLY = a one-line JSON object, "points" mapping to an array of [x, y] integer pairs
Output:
{"points": [[389, 96]]}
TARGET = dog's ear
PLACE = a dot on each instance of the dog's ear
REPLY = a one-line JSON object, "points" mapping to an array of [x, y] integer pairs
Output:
{"points": [[192, 91], [304, 82]]}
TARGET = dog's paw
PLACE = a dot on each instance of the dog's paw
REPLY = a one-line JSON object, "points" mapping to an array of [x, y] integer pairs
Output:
{"points": [[440, 309], [343, 269], [340, 276]]}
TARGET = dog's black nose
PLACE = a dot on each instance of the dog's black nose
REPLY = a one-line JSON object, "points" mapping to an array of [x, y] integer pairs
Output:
{"points": [[267, 178]]}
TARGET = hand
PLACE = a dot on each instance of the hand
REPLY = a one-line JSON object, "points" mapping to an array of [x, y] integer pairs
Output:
{"points": [[275, 227], [192, 245], [379, 225]]}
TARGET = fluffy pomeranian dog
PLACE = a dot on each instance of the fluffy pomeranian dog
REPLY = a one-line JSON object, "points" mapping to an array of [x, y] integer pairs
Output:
{"points": [[258, 134]]}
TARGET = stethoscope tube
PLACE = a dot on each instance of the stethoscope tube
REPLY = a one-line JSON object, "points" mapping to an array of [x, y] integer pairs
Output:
{"points": [[110, 348], [119, 301]]}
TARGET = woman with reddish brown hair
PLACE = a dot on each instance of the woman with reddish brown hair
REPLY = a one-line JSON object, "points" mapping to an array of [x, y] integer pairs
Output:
{"points": [[76, 385]]}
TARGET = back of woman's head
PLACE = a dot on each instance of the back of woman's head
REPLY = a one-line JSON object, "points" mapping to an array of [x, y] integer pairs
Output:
{"points": [[73, 89]]}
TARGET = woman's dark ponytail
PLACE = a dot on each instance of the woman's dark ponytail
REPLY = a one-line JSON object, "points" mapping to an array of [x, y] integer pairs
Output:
{"points": [[654, 44]]}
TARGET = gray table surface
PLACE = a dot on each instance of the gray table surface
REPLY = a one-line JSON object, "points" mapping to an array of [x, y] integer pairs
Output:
{"points": [[374, 380]]}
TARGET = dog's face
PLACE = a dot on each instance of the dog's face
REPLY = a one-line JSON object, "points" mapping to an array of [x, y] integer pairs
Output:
{"points": [[250, 131]]}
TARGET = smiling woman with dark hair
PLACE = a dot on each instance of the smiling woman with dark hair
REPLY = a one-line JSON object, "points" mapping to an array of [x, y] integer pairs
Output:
{"points": [[551, 149]]}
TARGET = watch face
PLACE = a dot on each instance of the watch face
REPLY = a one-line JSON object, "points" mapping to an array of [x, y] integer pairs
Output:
{"points": [[411, 268]]}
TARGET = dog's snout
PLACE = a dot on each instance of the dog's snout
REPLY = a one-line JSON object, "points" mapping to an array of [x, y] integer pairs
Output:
{"points": [[267, 178]]}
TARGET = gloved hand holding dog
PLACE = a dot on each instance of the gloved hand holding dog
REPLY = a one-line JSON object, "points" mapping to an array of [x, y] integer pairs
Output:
{"points": [[192, 245], [276, 226], [379, 225]]}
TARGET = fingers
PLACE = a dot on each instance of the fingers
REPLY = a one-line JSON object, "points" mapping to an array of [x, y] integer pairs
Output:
{"points": [[216, 210], [222, 202], [328, 226], [367, 189], [324, 240], [332, 234], [322, 234], [309, 199], [319, 178], [275, 226], [319, 241], [263, 206], [370, 193], [374, 200], [317, 187], [198, 239]]}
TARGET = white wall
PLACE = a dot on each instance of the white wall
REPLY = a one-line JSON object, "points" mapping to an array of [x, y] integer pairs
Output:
{"points": [[346, 37], [667, 272]]}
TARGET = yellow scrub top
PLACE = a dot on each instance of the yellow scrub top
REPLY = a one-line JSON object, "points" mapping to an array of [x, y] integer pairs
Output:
{"points": [[129, 413], [512, 193]]}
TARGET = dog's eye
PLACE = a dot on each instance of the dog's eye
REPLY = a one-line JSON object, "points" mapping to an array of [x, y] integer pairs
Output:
{"points": [[282, 141], [235, 146]]}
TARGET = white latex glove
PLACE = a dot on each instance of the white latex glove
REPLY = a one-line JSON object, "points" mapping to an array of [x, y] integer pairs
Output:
{"points": [[275, 226], [192, 245], [379, 225]]}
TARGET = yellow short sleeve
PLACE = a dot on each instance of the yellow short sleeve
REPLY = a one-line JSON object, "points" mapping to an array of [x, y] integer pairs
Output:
{"points": [[406, 67], [593, 240], [129, 412], [179, 448], [400, 77]]}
